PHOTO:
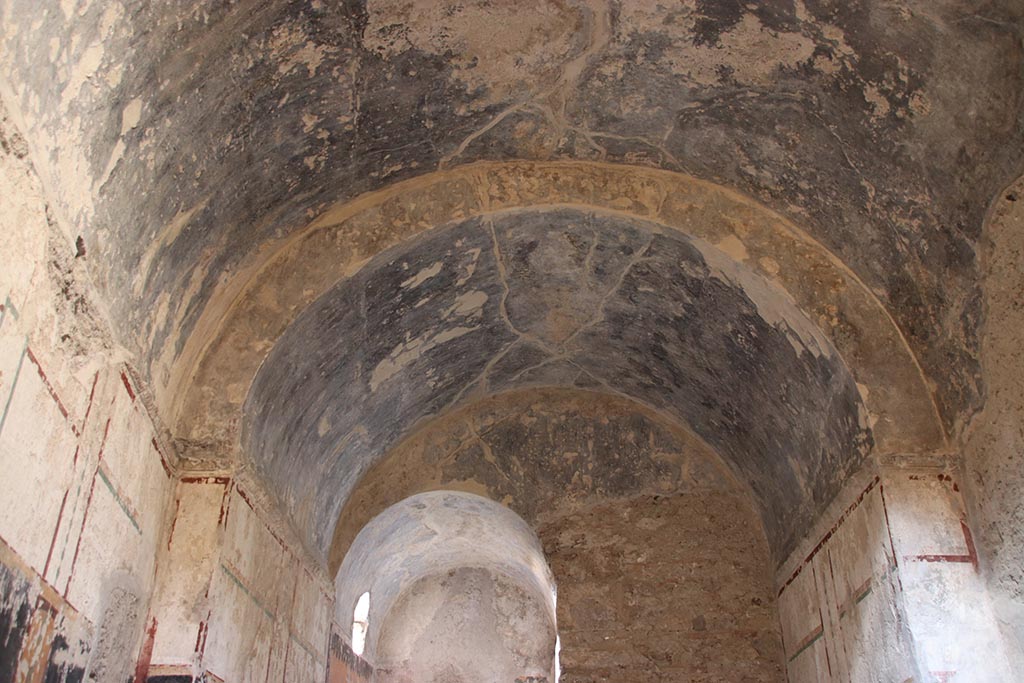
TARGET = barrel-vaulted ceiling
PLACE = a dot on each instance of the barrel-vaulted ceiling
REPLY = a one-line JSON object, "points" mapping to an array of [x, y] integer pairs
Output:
{"points": [[319, 223]]}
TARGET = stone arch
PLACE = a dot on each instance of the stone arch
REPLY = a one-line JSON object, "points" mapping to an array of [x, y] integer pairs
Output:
{"points": [[211, 375], [455, 580]]}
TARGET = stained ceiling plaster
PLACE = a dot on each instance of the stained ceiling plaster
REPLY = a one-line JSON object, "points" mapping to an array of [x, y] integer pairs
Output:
{"points": [[190, 144]]}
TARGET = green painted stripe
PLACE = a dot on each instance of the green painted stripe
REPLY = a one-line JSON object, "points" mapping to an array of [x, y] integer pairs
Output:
{"points": [[121, 503], [863, 595], [8, 306], [14, 384], [238, 582], [812, 641]]}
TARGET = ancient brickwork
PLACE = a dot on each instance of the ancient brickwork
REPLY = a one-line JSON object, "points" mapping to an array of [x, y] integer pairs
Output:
{"points": [[664, 589]]}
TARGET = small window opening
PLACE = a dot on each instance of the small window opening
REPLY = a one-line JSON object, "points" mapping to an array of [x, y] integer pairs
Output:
{"points": [[558, 652], [360, 623], [558, 638]]}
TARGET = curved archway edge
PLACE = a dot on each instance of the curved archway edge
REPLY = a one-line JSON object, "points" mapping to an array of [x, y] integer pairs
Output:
{"points": [[210, 378]]}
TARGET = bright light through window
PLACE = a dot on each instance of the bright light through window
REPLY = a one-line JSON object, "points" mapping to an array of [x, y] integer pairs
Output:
{"points": [[558, 638], [558, 652], [360, 623]]}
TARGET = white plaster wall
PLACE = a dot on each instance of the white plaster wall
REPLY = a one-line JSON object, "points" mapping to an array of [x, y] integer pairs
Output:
{"points": [[269, 611], [83, 486], [888, 588]]}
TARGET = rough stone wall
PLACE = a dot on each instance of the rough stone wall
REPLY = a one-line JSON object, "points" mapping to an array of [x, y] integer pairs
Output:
{"points": [[84, 485], [466, 625], [664, 588], [537, 451], [994, 445]]}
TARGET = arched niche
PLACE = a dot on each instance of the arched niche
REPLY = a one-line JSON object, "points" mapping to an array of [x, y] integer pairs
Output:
{"points": [[458, 587]]}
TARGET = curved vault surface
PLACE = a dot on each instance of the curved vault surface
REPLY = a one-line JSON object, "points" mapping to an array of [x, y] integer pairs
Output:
{"points": [[557, 297], [546, 453], [434, 534], [181, 138]]}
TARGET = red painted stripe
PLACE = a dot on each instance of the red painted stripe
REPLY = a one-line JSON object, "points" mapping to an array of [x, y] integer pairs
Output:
{"points": [[842, 518], [146, 654], [888, 529], [81, 532], [163, 461], [969, 540], [92, 395], [955, 559], [174, 521], [206, 480], [252, 507], [128, 386], [56, 531], [225, 505], [49, 387]]}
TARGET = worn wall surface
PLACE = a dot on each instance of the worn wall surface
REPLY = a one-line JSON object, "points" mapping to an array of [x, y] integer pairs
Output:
{"points": [[666, 588], [840, 602], [994, 446], [744, 246], [537, 451], [424, 538], [467, 625], [889, 586], [236, 602], [242, 120], [84, 485], [675, 572]]}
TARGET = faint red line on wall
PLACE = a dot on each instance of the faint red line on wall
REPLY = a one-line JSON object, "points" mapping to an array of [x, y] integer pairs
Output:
{"points": [[92, 395], [809, 640], [85, 514], [888, 530], [56, 531], [10, 557], [206, 480], [53, 392], [128, 385], [969, 540], [174, 520], [970, 557], [81, 532], [831, 532], [163, 460], [146, 653], [821, 625], [273, 534]]}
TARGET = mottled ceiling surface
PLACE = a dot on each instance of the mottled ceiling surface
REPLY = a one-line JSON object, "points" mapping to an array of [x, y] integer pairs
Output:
{"points": [[188, 142], [557, 298]]}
